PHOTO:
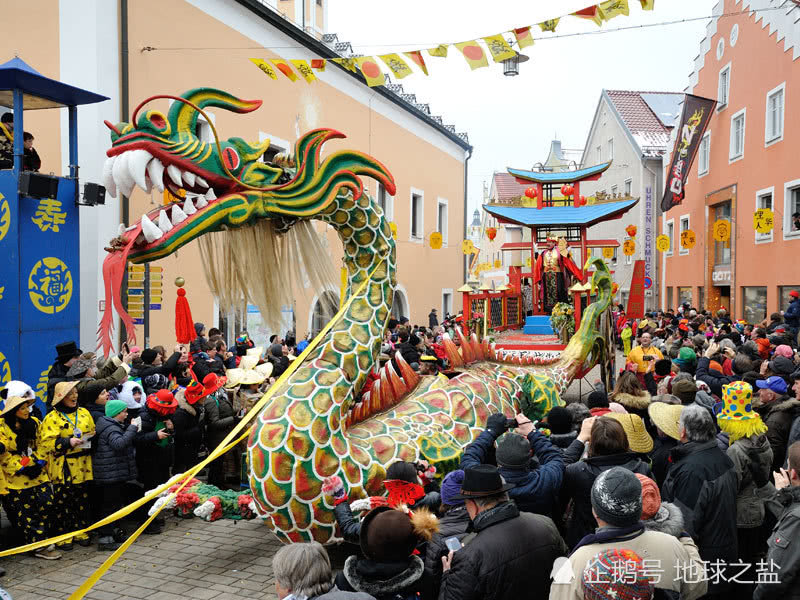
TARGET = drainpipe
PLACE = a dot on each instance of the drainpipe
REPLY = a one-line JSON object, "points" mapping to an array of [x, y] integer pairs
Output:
{"points": [[466, 209], [124, 114]]}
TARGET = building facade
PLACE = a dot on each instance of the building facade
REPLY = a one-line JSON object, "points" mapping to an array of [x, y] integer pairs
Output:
{"points": [[120, 50], [746, 161], [632, 130]]}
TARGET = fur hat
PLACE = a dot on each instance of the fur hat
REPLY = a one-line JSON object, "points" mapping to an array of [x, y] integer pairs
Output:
{"points": [[617, 497], [391, 535], [17, 388], [83, 364]]}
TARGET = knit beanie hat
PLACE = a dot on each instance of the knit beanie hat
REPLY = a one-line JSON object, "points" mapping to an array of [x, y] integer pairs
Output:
{"points": [[114, 407], [198, 327], [148, 356], [651, 497], [617, 497], [451, 488], [663, 367], [785, 351], [513, 451], [559, 420], [685, 389], [616, 574], [597, 400]]}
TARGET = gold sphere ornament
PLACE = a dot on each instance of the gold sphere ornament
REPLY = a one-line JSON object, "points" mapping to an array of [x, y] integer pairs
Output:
{"points": [[180, 281]]}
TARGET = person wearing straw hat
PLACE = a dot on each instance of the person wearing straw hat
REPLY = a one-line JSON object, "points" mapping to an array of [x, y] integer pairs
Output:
{"points": [[64, 438], [639, 440], [189, 422], [749, 449], [664, 411], [27, 497], [220, 419]]}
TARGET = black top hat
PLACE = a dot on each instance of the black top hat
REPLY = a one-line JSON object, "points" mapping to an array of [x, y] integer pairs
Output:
{"points": [[481, 481], [67, 350]]}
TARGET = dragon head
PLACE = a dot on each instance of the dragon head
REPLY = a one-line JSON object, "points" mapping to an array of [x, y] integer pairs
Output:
{"points": [[221, 183]]}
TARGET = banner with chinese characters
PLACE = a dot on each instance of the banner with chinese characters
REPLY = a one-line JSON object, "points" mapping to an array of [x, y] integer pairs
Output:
{"points": [[39, 280], [696, 114]]}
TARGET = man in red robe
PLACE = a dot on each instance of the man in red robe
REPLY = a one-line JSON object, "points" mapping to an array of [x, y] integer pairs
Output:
{"points": [[553, 272]]}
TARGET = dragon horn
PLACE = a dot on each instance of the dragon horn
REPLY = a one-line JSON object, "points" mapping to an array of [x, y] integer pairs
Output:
{"points": [[184, 117]]}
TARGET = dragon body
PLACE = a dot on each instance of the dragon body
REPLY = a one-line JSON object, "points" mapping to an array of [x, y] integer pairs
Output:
{"points": [[317, 423]]}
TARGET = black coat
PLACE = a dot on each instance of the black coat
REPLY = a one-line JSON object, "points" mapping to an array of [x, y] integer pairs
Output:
{"points": [[433, 320], [383, 581], [153, 456], [659, 457], [714, 379], [510, 557], [204, 366], [189, 422], [702, 482], [114, 459], [57, 374], [166, 369], [578, 480], [453, 524], [219, 417]]}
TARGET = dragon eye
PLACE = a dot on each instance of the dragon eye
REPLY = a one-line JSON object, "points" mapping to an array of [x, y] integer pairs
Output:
{"points": [[231, 158], [157, 119]]}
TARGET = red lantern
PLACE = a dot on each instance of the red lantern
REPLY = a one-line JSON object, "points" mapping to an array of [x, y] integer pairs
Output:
{"points": [[531, 192], [580, 201], [491, 233], [570, 189], [631, 230], [566, 190]]}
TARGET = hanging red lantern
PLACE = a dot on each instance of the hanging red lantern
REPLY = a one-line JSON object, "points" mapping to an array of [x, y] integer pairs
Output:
{"points": [[564, 190], [570, 189], [531, 192], [631, 230], [580, 201], [491, 233]]}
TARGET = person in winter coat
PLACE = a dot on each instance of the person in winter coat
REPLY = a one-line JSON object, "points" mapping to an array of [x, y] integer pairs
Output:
{"points": [[715, 379], [278, 359], [114, 463], [153, 363], [792, 313], [199, 342], [664, 412], [27, 496], [304, 571], [65, 438], [66, 355], [91, 381], [702, 482], [559, 422], [784, 550], [404, 486], [508, 554], [535, 490], [749, 449], [189, 422], [608, 447], [132, 394], [220, 419], [454, 523], [778, 411], [433, 319], [630, 393], [155, 445], [407, 349], [617, 504], [389, 568]]}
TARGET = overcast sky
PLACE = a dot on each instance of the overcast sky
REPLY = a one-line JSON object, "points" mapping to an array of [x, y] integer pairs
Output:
{"points": [[511, 120]]}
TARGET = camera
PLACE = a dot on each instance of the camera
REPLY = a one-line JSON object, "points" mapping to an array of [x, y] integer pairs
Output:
{"points": [[511, 424]]}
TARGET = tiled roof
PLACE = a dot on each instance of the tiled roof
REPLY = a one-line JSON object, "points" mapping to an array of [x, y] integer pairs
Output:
{"points": [[645, 126], [507, 187], [560, 215]]}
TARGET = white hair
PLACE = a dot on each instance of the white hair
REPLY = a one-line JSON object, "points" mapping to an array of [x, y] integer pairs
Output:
{"points": [[697, 423], [303, 569]]}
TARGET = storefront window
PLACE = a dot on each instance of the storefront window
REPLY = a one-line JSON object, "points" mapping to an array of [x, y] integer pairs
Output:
{"points": [[783, 295], [722, 250], [754, 304], [684, 295]]}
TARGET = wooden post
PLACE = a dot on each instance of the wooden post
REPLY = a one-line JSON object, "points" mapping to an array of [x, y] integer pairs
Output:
{"points": [[584, 256]]}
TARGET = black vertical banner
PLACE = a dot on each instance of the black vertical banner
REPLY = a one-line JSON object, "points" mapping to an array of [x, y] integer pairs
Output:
{"points": [[696, 114]]}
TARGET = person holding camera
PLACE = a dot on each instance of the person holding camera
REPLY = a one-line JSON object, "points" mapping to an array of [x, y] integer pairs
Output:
{"points": [[535, 489], [155, 448], [644, 356]]}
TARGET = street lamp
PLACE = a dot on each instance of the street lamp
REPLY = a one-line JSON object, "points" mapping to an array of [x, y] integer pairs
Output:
{"points": [[511, 65]]}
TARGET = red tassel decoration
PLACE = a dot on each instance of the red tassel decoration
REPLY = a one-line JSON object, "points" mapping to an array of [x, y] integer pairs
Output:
{"points": [[184, 324]]}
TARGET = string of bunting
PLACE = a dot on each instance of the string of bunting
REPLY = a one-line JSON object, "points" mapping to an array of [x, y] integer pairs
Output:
{"points": [[472, 50]]}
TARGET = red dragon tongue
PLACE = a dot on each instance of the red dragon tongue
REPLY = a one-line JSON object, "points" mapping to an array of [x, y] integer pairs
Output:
{"points": [[113, 271]]}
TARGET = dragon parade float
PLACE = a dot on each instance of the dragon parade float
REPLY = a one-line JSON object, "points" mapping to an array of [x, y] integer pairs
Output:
{"points": [[317, 423]]}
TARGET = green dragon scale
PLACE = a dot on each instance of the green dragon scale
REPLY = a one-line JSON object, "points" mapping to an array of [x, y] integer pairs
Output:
{"points": [[316, 424]]}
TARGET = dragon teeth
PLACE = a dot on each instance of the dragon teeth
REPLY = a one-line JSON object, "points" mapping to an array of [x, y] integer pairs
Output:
{"points": [[201, 182], [189, 178], [178, 215], [188, 207], [164, 223], [137, 166], [201, 202], [150, 230], [108, 177], [122, 175], [155, 170], [175, 174], [210, 195]]}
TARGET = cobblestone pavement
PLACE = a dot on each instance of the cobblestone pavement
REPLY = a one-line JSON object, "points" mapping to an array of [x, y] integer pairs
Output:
{"points": [[191, 559]]}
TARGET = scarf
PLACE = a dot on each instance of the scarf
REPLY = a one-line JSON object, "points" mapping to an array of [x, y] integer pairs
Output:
{"points": [[607, 534]]}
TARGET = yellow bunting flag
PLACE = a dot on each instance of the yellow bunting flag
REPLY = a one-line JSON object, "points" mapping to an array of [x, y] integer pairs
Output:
{"points": [[318, 64], [265, 67], [613, 8], [436, 240], [608, 252], [371, 71], [688, 239], [524, 37], [763, 220], [592, 13], [549, 25], [304, 69], [662, 243], [397, 65], [499, 48], [628, 247], [347, 63], [416, 57], [284, 68], [440, 51], [648, 4], [473, 53]]}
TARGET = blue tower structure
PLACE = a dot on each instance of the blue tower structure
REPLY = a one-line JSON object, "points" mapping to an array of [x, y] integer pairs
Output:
{"points": [[39, 236]]}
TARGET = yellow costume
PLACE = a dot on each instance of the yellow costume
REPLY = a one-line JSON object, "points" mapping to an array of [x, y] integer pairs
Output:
{"points": [[11, 462], [626, 335], [637, 356]]}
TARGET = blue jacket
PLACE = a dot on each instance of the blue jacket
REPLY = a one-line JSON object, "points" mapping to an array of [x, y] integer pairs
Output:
{"points": [[792, 314], [534, 491]]}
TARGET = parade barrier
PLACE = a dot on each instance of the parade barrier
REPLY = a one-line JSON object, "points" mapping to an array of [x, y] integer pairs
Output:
{"points": [[231, 440]]}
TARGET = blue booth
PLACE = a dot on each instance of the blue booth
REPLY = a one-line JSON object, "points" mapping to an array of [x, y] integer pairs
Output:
{"points": [[39, 236]]}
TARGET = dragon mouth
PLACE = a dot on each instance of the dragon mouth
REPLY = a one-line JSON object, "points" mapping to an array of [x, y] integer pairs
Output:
{"points": [[196, 191]]}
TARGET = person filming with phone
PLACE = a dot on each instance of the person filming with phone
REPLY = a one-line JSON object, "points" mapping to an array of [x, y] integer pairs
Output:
{"points": [[644, 356], [535, 489]]}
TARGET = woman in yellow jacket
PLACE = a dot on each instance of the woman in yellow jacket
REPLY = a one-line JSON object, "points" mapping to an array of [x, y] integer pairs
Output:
{"points": [[28, 497], [64, 439]]}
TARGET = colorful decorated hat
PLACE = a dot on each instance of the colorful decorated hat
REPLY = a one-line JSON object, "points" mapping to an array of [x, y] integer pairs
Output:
{"points": [[194, 392], [211, 383], [737, 417]]}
